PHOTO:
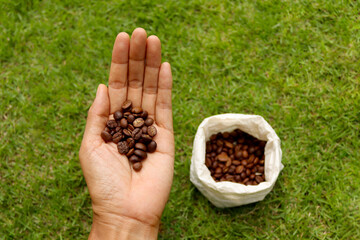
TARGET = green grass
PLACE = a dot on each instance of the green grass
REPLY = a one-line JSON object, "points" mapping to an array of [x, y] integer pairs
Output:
{"points": [[296, 63]]}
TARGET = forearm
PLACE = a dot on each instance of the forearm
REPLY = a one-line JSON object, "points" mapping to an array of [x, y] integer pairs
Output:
{"points": [[122, 228]]}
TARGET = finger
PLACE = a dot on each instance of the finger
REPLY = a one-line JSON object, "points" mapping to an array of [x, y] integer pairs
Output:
{"points": [[119, 71], [98, 115], [136, 66], [163, 101], [153, 62]]}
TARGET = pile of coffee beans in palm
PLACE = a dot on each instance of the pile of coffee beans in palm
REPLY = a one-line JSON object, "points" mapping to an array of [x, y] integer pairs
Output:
{"points": [[133, 131], [236, 157]]}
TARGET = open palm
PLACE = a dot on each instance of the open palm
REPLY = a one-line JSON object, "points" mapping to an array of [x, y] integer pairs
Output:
{"points": [[116, 190]]}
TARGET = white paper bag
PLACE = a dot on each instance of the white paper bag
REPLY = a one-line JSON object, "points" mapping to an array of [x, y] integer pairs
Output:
{"points": [[229, 194]]}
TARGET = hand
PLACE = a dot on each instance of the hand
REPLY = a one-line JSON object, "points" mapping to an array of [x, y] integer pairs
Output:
{"points": [[125, 202]]}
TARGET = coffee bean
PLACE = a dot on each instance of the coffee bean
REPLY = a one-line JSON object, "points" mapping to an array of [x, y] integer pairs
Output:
{"points": [[112, 132], [228, 163], [151, 131], [134, 159], [136, 131], [208, 162], [118, 115], [131, 127], [243, 175], [228, 144], [144, 129], [151, 147], [236, 162], [106, 136], [149, 121], [130, 152], [232, 169], [139, 122], [239, 169], [141, 146], [218, 170], [251, 150], [137, 110], [245, 154], [131, 119], [222, 157], [111, 124], [244, 162], [258, 153], [130, 142], [237, 178], [127, 132], [258, 179], [126, 114], [140, 153], [248, 172], [123, 123], [117, 137], [126, 105], [137, 166], [107, 129], [261, 169], [117, 129], [252, 176], [146, 138], [144, 114], [246, 180], [123, 147]]}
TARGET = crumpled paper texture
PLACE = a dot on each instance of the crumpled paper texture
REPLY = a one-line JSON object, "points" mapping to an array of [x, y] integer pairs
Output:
{"points": [[229, 194]]}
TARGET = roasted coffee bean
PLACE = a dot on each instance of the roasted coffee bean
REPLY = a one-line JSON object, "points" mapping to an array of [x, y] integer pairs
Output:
{"points": [[131, 127], [137, 166], [123, 123], [117, 129], [248, 172], [151, 147], [144, 129], [228, 163], [149, 121], [258, 153], [112, 132], [208, 162], [226, 135], [218, 170], [130, 152], [238, 154], [136, 131], [249, 165], [111, 124], [244, 162], [261, 169], [141, 146], [117, 137], [236, 162], [223, 157], [137, 110], [134, 159], [245, 154], [106, 136], [243, 175], [107, 129], [252, 176], [131, 142], [251, 158], [146, 138], [258, 179], [131, 119], [127, 132], [144, 114], [228, 144], [251, 149], [118, 115], [232, 169], [126, 114], [237, 178], [246, 180], [126, 105], [140, 153], [138, 123], [123, 147], [239, 169], [151, 131]]}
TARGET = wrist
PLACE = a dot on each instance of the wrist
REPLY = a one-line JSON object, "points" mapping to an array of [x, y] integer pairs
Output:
{"points": [[122, 228]]}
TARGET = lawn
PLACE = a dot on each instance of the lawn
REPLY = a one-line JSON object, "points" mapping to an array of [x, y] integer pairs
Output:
{"points": [[296, 63]]}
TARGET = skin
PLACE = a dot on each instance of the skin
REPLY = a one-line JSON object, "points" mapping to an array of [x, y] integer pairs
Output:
{"points": [[128, 204]]}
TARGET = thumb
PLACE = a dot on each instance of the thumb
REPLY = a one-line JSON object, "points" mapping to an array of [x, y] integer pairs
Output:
{"points": [[98, 115]]}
